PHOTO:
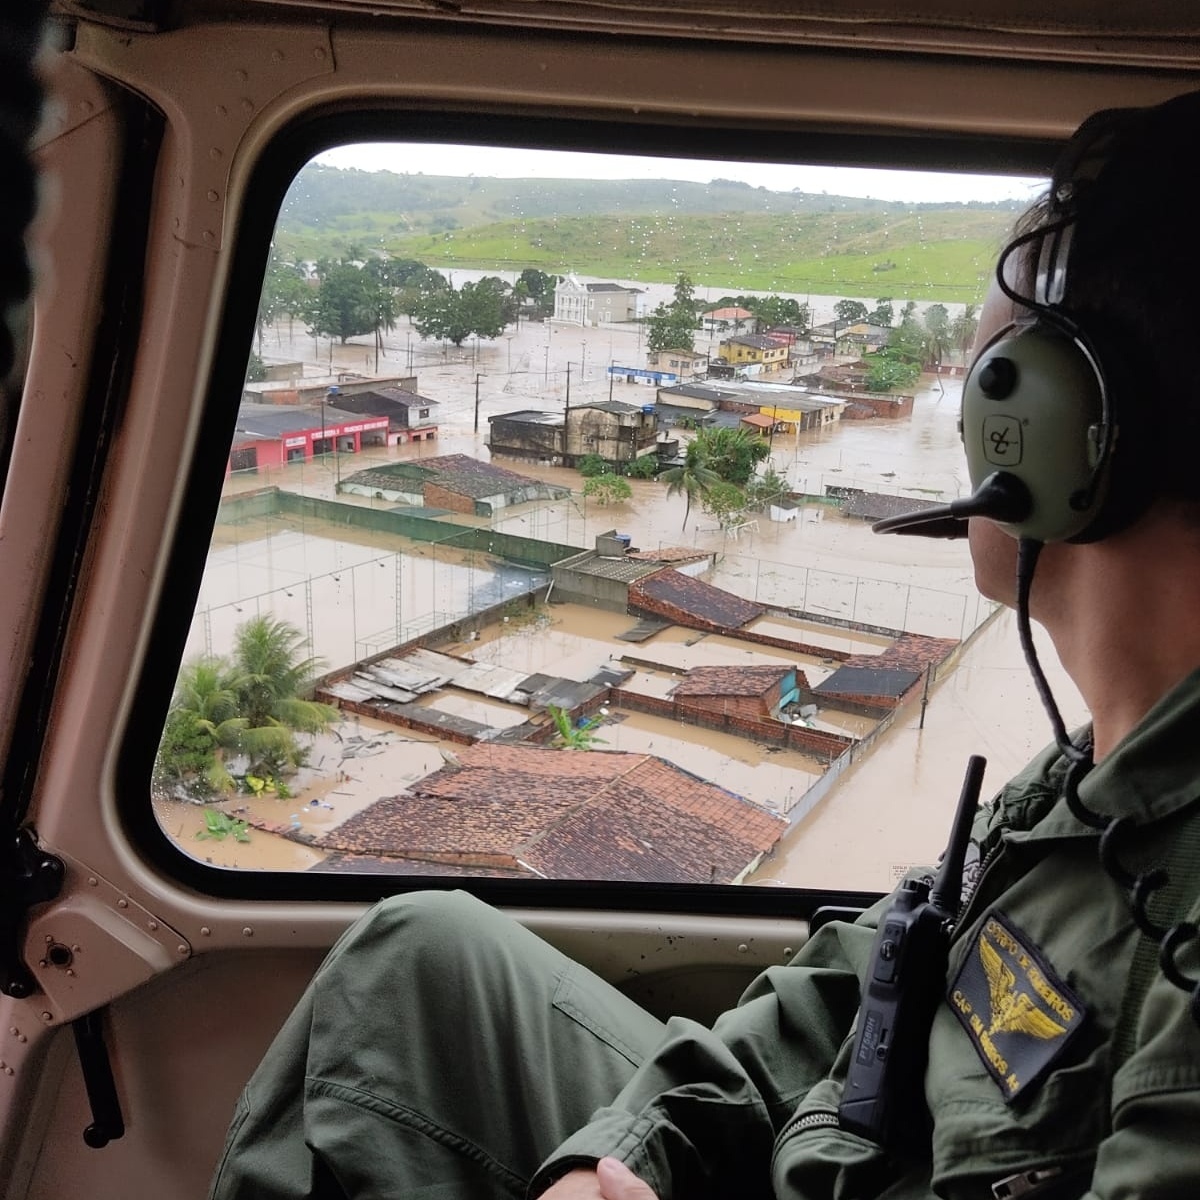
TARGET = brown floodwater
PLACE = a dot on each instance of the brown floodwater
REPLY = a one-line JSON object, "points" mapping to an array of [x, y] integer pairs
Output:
{"points": [[353, 593], [893, 808]]}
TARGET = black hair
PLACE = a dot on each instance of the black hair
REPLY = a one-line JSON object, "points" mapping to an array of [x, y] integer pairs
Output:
{"points": [[1133, 258]]}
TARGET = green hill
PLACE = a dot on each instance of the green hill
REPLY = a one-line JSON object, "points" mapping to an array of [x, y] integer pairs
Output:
{"points": [[724, 235]]}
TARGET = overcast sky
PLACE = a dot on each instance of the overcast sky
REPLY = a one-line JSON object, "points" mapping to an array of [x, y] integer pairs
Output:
{"points": [[558, 164]]}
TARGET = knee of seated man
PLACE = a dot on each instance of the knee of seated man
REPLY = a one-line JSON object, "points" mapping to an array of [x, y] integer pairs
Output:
{"points": [[421, 927]]}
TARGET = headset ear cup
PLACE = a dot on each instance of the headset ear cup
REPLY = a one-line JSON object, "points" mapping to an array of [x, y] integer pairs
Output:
{"points": [[1034, 406]]}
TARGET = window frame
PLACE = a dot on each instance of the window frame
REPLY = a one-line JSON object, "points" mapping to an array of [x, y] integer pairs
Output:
{"points": [[269, 179]]}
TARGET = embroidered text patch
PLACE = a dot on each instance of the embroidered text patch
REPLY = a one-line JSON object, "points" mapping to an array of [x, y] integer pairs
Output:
{"points": [[1016, 1011]]}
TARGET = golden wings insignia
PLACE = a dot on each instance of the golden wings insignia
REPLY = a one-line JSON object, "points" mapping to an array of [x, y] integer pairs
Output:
{"points": [[1013, 1011]]}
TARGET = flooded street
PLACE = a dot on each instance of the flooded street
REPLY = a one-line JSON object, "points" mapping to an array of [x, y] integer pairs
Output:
{"points": [[892, 809], [355, 593]]}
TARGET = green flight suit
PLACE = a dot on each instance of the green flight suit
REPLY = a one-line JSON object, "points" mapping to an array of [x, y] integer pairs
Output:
{"points": [[443, 1052]]}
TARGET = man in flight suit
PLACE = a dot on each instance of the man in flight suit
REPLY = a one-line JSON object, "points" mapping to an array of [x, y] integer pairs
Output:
{"points": [[444, 1051]]}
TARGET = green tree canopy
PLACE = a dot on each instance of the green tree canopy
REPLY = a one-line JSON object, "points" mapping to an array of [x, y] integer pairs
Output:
{"points": [[607, 489], [476, 309], [884, 312], [724, 501], [889, 370], [284, 291], [779, 310], [347, 302], [731, 454], [937, 325], [909, 340], [850, 311], [538, 285], [767, 488], [672, 326]]}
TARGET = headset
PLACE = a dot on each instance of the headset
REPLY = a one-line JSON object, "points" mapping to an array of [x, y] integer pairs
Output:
{"points": [[1038, 420], [1041, 426]]}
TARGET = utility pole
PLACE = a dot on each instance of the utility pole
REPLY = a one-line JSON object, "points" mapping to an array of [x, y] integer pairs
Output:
{"points": [[567, 401], [337, 466], [477, 379]]}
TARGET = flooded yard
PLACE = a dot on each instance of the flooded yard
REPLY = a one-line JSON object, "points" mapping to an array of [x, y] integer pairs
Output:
{"points": [[354, 594]]}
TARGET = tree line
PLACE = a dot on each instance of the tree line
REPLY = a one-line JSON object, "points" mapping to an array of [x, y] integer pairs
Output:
{"points": [[360, 294]]}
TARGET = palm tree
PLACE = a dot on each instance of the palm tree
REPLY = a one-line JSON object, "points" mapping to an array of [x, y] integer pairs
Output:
{"points": [[271, 675], [202, 724], [693, 478], [732, 453]]}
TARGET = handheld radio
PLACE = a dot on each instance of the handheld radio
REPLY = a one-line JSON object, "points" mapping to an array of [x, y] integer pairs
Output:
{"points": [[883, 1098]]}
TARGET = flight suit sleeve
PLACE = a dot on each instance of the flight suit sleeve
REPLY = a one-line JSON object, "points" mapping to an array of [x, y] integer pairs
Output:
{"points": [[700, 1116], [1151, 1152]]}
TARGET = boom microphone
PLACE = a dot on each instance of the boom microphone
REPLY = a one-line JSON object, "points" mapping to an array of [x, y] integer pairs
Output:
{"points": [[1000, 497]]}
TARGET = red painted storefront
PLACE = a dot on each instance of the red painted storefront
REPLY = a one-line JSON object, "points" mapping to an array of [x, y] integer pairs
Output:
{"points": [[251, 452]]}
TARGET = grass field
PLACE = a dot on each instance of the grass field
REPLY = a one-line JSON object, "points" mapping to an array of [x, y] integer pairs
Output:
{"points": [[933, 254]]}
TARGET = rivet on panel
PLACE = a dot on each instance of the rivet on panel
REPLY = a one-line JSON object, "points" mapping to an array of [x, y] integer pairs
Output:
{"points": [[93, 881], [70, 970], [247, 932], [22, 1038], [788, 952], [277, 56], [205, 931], [319, 53], [152, 924], [122, 903], [208, 236], [8, 1070], [47, 1016], [182, 949], [213, 194], [214, 153], [742, 948], [74, 949], [49, 938], [247, 104], [14, 1031]]}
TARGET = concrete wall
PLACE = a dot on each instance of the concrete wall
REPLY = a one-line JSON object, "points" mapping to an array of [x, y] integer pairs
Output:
{"points": [[269, 501]]}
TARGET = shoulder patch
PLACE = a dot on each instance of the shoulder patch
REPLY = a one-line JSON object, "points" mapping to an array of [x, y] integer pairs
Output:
{"points": [[1018, 1014]]}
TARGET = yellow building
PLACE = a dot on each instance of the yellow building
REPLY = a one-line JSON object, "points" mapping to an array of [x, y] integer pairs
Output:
{"points": [[771, 353]]}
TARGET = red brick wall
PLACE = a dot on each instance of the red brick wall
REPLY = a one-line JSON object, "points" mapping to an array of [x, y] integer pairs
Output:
{"points": [[440, 497], [726, 716], [743, 706], [900, 406]]}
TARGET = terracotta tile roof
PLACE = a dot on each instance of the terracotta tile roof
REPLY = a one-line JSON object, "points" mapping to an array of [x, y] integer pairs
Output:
{"points": [[565, 814], [731, 681], [697, 598], [910, 652], [457, 472]]}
